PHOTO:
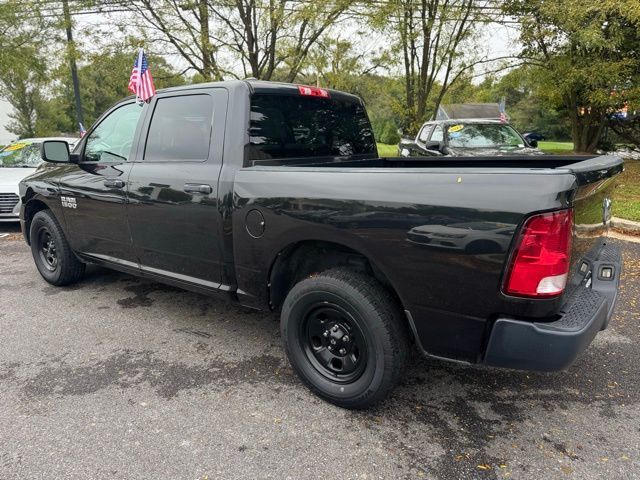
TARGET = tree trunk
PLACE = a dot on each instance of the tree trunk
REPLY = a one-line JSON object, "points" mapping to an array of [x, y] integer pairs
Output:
{"points": [[586, 130], [209, 70]]}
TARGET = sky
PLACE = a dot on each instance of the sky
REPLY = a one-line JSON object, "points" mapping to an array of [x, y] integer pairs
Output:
{"points": [[5, 137]]}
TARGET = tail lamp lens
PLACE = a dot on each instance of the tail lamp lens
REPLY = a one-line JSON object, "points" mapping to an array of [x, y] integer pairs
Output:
{"points": [[540, 264]]}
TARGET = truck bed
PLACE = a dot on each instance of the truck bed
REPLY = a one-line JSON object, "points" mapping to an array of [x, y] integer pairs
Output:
{"points": [[587, 168], [572, 162]]}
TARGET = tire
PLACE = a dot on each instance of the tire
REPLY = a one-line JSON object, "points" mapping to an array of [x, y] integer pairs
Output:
{"points": [[51, 252], [349, 304]]}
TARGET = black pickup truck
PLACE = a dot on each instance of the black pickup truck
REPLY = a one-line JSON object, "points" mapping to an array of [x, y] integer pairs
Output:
{"points": [[274, 196]]}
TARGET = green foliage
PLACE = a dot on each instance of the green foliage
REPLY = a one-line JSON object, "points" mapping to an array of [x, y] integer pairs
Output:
{"points": [[584, 58], [21, 86], [103, 81], [388, 133]]}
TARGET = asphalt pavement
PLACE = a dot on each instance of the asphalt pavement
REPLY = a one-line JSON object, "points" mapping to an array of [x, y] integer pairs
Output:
{"points": [[123, 378]]}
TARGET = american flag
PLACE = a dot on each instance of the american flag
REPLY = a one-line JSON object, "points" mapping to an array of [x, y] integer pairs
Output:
{"points": [[503, 113], [141, 81]]}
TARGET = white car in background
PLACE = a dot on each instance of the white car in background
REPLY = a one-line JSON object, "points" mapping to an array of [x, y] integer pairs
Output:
{"points": [[17, 161]]}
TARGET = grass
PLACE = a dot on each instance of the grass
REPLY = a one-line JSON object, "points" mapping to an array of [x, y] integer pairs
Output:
{"points": [[555, 147], [386, 150], [626, 193]]}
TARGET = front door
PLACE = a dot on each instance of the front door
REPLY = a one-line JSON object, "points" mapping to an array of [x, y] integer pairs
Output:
{"points": [[173, 188], [93, 192]]}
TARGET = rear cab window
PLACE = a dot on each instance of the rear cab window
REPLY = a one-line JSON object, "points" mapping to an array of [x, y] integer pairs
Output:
{"points": [[180, 129], [291, 126]]}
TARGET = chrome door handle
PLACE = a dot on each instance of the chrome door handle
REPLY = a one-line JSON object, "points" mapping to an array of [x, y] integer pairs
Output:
{"points": [[113, 183], [197, 188]]}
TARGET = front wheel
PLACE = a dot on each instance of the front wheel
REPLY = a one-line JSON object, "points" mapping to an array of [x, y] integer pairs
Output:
{"points": [[51, 252], [344, 336]]}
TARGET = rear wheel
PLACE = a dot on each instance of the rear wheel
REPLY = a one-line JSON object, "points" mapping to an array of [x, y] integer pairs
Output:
{"points": [[51, 252], [344, 336]]}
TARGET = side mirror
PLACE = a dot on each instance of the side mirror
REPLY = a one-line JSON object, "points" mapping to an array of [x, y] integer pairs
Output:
{"points": [[55, 151], [437, 146], [533, 143]]}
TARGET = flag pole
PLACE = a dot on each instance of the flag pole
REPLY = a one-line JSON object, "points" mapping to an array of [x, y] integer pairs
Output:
{"points": [[140, 56]]}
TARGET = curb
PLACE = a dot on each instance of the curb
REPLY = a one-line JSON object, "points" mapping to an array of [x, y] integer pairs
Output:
{"points": [[625, 226]]}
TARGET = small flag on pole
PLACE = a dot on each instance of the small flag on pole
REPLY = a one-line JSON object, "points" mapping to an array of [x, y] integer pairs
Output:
{"points": [[503, 112], [83, 130], [141, 81]]}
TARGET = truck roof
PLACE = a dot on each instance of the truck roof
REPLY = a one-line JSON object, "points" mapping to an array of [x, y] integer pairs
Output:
{"points": [[256, 86]]}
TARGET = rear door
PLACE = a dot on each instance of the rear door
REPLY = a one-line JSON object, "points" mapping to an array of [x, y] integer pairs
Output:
{"points": [[173, 187]]}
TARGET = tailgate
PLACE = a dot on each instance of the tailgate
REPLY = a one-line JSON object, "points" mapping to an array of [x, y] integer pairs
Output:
{"points": [[592, 204]]}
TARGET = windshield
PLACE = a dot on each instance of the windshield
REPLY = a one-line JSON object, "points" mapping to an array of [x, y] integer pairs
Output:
{"points": [[20, 154], [484, 136]]}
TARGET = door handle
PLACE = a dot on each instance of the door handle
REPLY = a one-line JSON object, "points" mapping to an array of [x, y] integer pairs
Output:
{"points": [[113, 183], [197, 188]]}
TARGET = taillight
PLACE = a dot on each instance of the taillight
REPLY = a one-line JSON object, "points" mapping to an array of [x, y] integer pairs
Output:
{"points": [[313, 91], [541, 259]]}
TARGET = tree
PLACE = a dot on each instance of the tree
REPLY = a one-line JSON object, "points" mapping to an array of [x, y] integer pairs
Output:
{"points": [[104, 78], [528, 108], [22, 87], [265, 36], [585, 58], [431, 37], [16, 34], [183, 27], [22, 69]]}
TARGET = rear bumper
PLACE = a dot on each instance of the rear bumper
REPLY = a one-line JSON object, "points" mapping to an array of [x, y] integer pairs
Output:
{"points": [[552, 346]]}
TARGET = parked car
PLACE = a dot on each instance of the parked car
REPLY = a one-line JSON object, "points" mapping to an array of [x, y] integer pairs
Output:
{"points": [[463, 138], [17, 161], [273, 196]]}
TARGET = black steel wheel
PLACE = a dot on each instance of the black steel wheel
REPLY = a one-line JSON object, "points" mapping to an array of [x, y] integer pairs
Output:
{"points": [[53, 256], [345, 337], [333, 342], [47, 248]]}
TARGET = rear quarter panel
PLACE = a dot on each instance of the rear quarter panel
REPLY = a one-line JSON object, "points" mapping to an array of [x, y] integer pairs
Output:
{"points": [[397, 219]]}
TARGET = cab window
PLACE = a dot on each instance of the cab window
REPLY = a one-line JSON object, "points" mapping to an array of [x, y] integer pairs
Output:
{"points": [[180, 129], [112, 139]]}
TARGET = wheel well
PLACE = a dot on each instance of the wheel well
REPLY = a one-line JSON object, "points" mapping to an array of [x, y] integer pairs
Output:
{"points": [[303, 259], [31, 208]]}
